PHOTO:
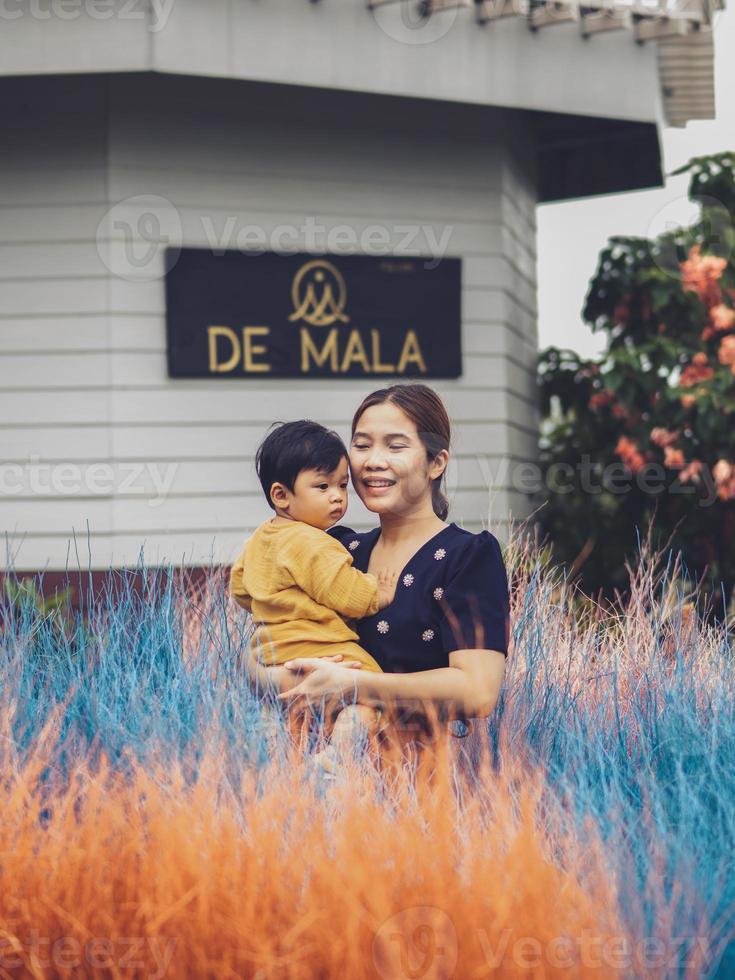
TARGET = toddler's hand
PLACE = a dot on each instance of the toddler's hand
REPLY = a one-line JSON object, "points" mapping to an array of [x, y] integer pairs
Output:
{"points": [[387, 581], [339, 658]]}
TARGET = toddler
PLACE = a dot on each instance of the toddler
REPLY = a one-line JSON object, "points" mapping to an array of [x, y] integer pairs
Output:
{"points": [[297, 581]]}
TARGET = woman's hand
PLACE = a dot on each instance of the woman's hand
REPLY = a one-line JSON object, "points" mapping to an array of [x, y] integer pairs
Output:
{"points": [[324, 679]]}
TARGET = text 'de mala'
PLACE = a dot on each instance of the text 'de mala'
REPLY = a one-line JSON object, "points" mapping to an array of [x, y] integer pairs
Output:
{"points": [[234, 315]]}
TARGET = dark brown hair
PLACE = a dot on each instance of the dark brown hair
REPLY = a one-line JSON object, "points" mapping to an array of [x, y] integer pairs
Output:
{"points": [[291, 447], [427, 412]]}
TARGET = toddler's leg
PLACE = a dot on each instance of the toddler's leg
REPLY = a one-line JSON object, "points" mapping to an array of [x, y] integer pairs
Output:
{"points": [[354, 719], [351, 723]]}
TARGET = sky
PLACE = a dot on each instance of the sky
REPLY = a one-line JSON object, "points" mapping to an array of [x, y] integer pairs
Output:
{"points": [[584, 226]]}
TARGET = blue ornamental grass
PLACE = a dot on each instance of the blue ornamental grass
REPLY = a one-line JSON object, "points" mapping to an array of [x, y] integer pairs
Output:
{"points": [[150, 796]]}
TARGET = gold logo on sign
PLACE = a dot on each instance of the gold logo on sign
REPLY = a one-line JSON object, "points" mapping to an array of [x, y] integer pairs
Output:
{"points": [[319, 294]]}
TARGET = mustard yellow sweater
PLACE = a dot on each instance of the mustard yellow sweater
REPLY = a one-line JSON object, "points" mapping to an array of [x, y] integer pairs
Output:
{"points": [[298, 582]]}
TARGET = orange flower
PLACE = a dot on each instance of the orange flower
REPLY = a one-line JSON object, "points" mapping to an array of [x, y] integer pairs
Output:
{"points": [[629, 453], [673, 458], [722, 317], [699, 274], [696, 372], [726, 353], [724, 476], [690, 473], [620, 411], [589, 370], [622, 310], [601, 399], [663, 437]]}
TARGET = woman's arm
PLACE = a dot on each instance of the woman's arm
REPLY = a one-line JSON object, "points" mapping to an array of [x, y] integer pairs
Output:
{"points": [[469, 687], [263, 677]]}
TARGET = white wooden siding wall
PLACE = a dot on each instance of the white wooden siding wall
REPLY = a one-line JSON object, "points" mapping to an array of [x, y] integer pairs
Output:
{"points": [[83, 372]]}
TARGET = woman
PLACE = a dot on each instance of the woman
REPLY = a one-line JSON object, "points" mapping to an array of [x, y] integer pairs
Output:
{"points": [[443, 640]]}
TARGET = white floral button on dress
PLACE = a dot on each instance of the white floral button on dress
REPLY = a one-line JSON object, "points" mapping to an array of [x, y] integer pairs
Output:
{"points": [[418, 632]]}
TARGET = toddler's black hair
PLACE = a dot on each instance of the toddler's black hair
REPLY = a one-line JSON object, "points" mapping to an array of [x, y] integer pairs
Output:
{"points": [[291, 447]]}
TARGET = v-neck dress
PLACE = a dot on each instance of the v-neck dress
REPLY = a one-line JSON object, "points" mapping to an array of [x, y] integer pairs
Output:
{"points": [[452, 595]]}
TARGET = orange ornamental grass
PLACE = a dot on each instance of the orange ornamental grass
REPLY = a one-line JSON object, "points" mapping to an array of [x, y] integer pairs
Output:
{"points": [[177, 870], [587, 821]]}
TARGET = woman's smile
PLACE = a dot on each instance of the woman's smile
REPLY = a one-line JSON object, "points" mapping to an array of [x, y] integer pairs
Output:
{"points": [[377, 486]]}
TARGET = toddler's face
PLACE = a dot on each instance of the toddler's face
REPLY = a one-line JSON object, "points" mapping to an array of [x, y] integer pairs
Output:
{"points": [[320, 499]]}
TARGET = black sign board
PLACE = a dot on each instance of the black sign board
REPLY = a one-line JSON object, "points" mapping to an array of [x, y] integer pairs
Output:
{"points": [[234, 315]]}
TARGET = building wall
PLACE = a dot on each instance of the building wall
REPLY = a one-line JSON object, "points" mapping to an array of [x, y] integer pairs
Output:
{"points": [[82, 333]]}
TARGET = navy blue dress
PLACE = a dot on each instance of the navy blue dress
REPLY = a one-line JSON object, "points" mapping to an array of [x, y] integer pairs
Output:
{"points": [[452, 595]]}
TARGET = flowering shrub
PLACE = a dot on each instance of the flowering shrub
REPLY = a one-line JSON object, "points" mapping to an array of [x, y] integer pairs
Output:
{"points": [[648, 428]]}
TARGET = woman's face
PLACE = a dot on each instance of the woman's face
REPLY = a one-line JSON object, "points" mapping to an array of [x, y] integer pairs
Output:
{"points": [[390, 470]]}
